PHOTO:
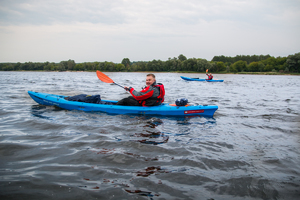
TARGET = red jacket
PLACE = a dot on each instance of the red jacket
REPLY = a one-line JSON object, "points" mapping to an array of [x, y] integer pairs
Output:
{"points": [[150, 96], [210, 77]]}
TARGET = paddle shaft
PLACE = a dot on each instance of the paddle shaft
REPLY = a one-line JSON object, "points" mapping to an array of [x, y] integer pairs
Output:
{"points": [[119, 85]]}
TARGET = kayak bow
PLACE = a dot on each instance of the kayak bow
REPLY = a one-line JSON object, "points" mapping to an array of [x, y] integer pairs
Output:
{"points": [[191, 79]]}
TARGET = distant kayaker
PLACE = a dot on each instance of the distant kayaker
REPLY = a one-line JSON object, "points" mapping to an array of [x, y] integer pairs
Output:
{"points": [[152, 95], [210, 77]]}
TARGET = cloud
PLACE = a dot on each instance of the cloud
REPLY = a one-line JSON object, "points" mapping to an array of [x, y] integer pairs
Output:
{"points": [[96, 30], [158, 12], [50, 12]]}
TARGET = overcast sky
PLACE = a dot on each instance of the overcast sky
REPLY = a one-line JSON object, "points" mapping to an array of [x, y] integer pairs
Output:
{"points": [[144, 30]]}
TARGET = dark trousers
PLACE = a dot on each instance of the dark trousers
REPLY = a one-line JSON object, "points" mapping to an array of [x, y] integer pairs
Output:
{"points": [[128, 101]]}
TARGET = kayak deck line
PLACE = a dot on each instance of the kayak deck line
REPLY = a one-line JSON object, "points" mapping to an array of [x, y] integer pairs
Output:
{"points": [[108, 106]]}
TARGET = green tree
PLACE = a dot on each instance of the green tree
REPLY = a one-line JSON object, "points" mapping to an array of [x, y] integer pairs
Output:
{"points": [[220, 66], [213, 67], [67, 65], [159, 65], [293, 62], [61, 66], [8, 67], [221, 58], [38, 66], [90, 66], [174, 64], [70, 64], [53, 66], [101, 66], [120, 67], [261, 66], [253, 67], [232, 68], [179, 66], [141, 66], [182, 58], [240, 65], [150, 66], [168, 65], [79, 67], [190, 64], [17, 66], [270, 64], [126, 62], [268, 68], [47, 67], [247, 58], [202, 65], [110, 66]]}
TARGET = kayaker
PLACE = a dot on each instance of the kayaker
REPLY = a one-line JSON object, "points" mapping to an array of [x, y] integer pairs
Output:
{"points": [[152, 95], [210, 77]]}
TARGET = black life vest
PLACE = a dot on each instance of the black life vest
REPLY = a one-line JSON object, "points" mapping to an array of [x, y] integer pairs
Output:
{"points": [[159, 99], [161, 96]]}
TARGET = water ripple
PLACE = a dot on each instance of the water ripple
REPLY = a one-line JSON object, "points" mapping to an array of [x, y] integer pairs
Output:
{"points": [[249, 150]]}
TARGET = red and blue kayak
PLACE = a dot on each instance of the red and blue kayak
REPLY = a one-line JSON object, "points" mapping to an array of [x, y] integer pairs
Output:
{"points": [[109, 106]]}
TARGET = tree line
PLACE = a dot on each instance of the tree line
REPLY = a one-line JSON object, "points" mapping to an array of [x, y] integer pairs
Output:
{"points": [[239, 63]]}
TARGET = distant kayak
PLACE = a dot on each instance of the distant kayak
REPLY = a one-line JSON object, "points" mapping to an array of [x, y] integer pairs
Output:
{"points": [[191, 79], [109, 106], [197, 79]]}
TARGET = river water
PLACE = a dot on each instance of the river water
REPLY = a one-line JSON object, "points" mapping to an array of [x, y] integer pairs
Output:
{"points": [[250, 149]]}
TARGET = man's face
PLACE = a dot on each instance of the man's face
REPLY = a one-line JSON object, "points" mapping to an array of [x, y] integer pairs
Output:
{"points": [[149, 80]]}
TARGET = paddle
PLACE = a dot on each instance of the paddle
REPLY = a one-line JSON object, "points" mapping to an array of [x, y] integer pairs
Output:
{"points": [[106, 79]]}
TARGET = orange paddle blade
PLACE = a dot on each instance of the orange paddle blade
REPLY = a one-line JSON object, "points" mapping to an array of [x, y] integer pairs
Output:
{"points": [[206, 70], [104, 77]]}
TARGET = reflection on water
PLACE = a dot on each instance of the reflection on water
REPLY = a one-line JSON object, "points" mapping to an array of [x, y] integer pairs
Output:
{"points": [[152, 137], [39, 110], [249, 150]]}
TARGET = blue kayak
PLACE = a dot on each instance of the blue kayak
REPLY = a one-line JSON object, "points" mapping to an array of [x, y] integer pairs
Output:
{"points": [[198, 79], [214, 80], [109, 106], [191, 79]]}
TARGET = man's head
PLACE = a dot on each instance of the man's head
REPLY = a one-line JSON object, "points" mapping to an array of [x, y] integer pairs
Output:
{"points": [[150, 79]]}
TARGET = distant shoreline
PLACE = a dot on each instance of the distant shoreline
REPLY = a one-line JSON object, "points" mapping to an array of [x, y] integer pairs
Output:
{"points": [[185, 72]]}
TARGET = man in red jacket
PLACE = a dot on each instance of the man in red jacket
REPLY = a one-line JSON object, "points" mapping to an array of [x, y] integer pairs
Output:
{"points": [[152, 95], [210, 77]]}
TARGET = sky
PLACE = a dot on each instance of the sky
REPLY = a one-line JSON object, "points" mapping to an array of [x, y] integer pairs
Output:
{"points": [[144, 30]]}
